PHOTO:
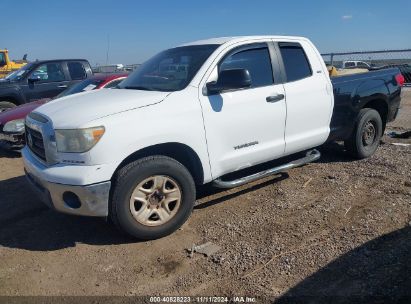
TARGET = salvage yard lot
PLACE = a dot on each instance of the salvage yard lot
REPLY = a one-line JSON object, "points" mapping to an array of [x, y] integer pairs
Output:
{"points": [[335, 227]]}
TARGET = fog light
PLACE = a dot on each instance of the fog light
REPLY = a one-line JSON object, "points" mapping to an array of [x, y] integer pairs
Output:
{"points": [[71, 200]]}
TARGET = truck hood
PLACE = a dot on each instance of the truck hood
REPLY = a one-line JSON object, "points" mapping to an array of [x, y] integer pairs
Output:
{"points": [[76, 110], [20, 112]]}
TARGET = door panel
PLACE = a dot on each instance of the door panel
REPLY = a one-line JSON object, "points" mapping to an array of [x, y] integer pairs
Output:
{"points": [[51, 81], [45, 90], [307, 116], [309, 99], [243, 129]]}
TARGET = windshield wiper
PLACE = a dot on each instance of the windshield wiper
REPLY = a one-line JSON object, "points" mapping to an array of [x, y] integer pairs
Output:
{"points": [[138, 88]]}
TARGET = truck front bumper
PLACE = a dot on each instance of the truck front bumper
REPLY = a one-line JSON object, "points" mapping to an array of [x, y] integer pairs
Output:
{"points": [[87, 200], [12, 140]]}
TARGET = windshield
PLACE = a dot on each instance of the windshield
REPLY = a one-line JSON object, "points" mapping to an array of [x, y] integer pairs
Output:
{"points": [[82, 86], [20, 73], [170, 70]]}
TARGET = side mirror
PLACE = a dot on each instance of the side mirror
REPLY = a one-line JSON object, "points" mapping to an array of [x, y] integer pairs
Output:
{"points": [[230, 80], [34, 78]]}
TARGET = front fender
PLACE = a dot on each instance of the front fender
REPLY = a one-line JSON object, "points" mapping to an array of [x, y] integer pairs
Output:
{"points": [[178, 119], [12, 93]]}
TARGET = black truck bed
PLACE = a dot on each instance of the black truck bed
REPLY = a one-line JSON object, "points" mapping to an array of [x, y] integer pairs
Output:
{"points": [[376, 89]]}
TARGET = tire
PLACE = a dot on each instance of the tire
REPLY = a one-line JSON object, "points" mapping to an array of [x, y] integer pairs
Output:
{"points": [[5, 105], [132, 216], [366, 136]]}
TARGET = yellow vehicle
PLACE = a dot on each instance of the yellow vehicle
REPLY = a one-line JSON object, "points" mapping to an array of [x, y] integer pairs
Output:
{"points": [[7, 66]]}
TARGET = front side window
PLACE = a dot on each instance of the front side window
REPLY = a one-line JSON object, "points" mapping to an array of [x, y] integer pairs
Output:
{"points": [[76, 70], [350, 64], [170, 70], [255, 60], [50, 72], [2, 59], [295, 61]]}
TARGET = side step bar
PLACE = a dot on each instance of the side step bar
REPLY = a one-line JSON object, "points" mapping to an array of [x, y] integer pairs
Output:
{"points": [[311, 156]]}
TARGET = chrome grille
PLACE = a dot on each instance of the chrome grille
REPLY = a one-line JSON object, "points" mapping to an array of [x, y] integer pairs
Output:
{"points": [[35, 142], [40, 138]]}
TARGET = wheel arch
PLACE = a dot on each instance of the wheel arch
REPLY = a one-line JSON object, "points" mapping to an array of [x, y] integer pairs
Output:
{"points": [[178, 151], [381, 106], [12, 99]]}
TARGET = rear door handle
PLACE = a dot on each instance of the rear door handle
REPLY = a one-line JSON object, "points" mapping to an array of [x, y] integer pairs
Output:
{"points": [[275, 98], [62, 86]]}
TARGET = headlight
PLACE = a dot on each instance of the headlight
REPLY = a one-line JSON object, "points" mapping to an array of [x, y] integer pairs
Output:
{"points": [[14, 126], [78, 140]]}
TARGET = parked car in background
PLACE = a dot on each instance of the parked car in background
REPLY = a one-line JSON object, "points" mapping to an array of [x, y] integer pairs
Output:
{"points": [[41, 79], [96, 82], [353, 64], [136, 154], [12, 121], [405, 70]]}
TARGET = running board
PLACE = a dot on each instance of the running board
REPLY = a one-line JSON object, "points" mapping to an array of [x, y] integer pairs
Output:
{"points": [[311, 156]]}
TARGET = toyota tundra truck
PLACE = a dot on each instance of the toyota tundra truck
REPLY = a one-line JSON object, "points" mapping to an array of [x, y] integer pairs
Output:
{"points": [[204, 112]]}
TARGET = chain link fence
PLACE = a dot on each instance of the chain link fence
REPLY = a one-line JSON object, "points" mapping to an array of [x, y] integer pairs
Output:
{"points": [[341, 60], [114, 68], [373, 60]]}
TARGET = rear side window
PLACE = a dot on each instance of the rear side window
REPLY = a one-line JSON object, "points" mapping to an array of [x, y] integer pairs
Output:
{"points": [[113, 83], [76, 70], [295, 61], [256, 61], [362, 65], [82, 86]]}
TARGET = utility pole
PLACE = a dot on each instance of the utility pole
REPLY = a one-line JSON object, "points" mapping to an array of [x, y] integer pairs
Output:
{"points": [[108, 48]]}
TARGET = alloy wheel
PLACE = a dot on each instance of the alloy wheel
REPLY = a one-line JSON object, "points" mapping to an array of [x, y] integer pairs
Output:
{"points": [[155, 200]]}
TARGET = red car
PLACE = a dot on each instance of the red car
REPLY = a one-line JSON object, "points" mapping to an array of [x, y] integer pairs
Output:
{"points": [[12, 121]]}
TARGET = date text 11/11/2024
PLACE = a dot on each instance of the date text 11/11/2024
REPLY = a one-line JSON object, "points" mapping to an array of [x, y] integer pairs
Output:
{"points": [[202, 299]]}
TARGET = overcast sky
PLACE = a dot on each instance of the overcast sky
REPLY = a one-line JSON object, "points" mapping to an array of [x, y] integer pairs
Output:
{"points": [[138, 29]]}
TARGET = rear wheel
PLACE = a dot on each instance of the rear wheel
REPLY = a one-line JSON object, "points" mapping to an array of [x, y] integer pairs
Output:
{"points": [[152, 197], [5, 105], [366, 136]]}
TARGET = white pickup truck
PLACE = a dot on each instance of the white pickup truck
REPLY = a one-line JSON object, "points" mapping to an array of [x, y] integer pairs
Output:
{"points": [[192, 115]]}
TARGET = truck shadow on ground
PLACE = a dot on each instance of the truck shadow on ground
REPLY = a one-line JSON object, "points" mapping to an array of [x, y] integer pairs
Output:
{"points": [[334, 153], [9, 154], [208, 190], [26, 223], [378, 271]]}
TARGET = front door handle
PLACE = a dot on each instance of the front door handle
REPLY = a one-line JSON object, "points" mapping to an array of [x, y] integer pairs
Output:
{"points": [[62, 86], [275, 98]]}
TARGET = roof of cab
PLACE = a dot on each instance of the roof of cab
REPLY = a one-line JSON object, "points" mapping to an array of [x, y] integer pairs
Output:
{"points": [[53, 60], [222, 40]]}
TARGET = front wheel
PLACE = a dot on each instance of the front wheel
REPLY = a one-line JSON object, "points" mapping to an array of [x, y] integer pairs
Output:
{"points": [[152, 197], [366, 136]]}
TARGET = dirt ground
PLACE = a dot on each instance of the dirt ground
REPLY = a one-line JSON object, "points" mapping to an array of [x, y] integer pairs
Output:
{"points": [[336, 228]]}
